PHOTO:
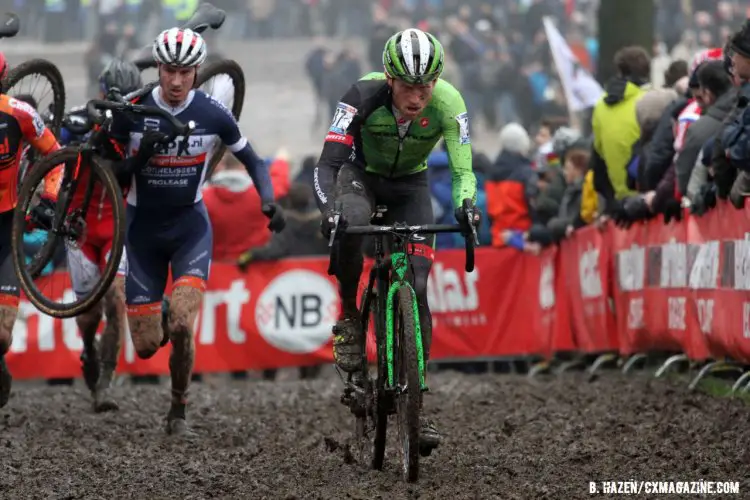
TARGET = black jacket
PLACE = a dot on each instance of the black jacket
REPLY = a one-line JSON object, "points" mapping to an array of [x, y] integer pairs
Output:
{"points": [[660, 151]]}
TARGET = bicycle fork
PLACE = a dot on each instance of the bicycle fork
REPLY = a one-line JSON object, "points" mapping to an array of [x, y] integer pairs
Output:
{"points": [[399, 266]]}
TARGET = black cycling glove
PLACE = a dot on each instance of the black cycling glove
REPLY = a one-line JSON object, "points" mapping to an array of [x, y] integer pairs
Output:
{"points": [[329, 222], [149, 145], [460, 214], [275, 215]]}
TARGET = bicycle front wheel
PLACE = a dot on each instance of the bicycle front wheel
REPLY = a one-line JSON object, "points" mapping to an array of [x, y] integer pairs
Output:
{"points": [[408, 401], [225, 82], [66, 238]]}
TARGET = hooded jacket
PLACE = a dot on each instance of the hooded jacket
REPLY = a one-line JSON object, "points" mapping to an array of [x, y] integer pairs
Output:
{"points": [[616, 130], [234, 206]]}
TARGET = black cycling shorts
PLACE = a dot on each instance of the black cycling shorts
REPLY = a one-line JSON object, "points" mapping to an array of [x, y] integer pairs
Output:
{"points": [[407, 200], [9, 285]]}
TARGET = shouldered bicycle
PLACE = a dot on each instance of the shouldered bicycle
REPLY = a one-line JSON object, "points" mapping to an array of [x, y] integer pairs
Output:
{"points": [[67, 226]]}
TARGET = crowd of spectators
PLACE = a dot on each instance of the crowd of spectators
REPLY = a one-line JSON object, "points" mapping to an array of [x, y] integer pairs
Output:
{"points": [[654, 152]]}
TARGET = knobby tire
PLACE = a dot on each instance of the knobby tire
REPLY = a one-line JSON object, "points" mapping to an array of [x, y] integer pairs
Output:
{"points": [[54, 77], [408, 402], [106, 177], [235, 73]]}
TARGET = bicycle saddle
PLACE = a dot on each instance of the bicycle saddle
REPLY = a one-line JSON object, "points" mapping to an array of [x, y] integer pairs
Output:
{"points": [[205, 16], [10, 26]]}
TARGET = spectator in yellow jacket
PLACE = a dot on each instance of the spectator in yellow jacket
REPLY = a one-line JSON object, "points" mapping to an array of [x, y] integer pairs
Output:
{"points": [[615, 126]]}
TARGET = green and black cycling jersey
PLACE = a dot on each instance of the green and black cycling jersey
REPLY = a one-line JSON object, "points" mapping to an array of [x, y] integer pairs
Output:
{"points": [[367, 132]]}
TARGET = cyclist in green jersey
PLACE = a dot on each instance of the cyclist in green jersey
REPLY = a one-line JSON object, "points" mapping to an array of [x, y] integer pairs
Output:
{"points": [[375, 153]]}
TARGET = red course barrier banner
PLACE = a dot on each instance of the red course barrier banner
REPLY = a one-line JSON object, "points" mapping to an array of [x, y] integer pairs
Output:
{"points": [[683, 287]]}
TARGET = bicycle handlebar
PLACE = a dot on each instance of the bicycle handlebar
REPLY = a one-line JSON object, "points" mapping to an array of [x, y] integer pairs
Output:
{"points": [[122, 106], [471, 240]]}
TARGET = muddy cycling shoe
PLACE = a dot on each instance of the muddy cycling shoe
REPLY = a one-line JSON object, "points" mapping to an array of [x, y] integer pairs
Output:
{"points": [[5, 382], [90, 368], [178, 427], [346, 348], [429, 438], [104, 401], [177, 424], [164, 321]]}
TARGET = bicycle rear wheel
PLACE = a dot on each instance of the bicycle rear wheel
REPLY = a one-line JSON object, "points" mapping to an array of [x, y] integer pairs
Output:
{"points": [[71, 235], [49, 72], [216, 78], [408, 400]]}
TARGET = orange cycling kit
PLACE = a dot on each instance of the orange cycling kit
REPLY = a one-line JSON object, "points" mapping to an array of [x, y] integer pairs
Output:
{"points": [[20, 124]]}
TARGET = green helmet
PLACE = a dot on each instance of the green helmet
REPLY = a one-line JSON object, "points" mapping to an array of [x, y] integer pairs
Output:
{"points": [[413, 56]]}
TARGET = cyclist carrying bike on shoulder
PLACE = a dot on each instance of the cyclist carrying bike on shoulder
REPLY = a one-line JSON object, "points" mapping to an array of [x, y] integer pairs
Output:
{"points": [[375, 153], [20, 124], [167, 223], [85, 263]]}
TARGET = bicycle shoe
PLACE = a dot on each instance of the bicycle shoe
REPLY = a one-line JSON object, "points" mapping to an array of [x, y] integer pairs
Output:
{"points": [[103, 400], [164, 321], [429, 437], [346, 348], [177, 423], [6, 380]]}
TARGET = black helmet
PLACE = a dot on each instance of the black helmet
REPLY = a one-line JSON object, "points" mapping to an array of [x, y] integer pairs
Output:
{"points": [[121, 74]]}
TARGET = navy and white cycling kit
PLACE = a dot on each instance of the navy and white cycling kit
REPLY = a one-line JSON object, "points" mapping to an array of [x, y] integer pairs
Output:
{"points": [[167, 222]]}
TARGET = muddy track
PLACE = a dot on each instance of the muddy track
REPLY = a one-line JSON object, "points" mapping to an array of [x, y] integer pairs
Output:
{"points": [[504, 438]]}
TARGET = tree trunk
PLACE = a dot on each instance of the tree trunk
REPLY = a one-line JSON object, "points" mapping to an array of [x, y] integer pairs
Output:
{"points": [[623, 23]]}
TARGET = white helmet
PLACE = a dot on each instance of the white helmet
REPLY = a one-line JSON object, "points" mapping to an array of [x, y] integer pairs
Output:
{"points": [[179, 47]]}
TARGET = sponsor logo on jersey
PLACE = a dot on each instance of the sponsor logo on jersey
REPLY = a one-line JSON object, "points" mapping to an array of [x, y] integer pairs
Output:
{"points": [[177, 161], [463, 128], [342, 118], [26, 108], [151, 124], [169, 182], [343, 139], [424, 122]]}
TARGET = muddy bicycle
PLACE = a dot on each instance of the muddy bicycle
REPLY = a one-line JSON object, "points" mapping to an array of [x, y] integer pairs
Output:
{"points": [[81, 170], [400, 377]]}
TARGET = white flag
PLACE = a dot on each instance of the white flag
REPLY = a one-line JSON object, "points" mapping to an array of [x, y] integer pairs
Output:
{"points": [[581, 89]]}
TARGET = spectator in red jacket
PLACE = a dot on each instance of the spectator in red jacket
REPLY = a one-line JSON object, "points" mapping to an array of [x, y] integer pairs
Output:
{"points": [[229, 197], [511, 187]]}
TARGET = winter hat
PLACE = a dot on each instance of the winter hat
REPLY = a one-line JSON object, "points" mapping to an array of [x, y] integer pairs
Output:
{"points": [[514, 138], [650, 106], [564, 137], [716, 54]]}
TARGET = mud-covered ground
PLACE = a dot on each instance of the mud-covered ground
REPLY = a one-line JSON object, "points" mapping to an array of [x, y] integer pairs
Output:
{"points": [[504, 438]]}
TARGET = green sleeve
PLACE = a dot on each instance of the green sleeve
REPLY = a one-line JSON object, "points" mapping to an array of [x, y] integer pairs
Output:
{"points": [[458, 145]]}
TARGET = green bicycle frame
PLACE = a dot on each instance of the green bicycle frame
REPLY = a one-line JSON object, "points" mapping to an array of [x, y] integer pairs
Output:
{"points": [[399, 264]]}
